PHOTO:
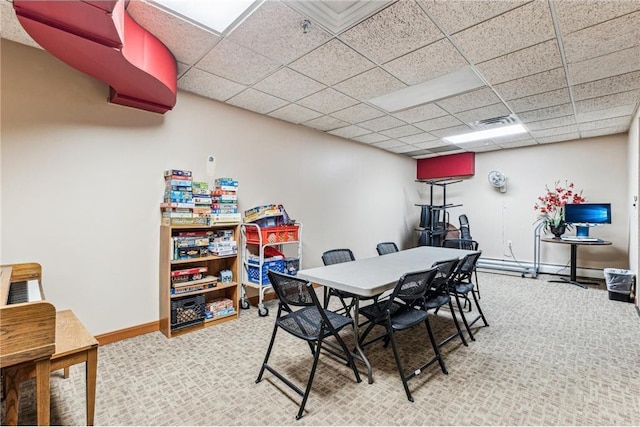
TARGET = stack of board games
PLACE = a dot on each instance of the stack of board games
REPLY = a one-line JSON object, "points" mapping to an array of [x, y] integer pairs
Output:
{"points": [[191, 244], [178, 205], [191, 279], [224, 204], [219, 307], [223, 243], [201, 200]]}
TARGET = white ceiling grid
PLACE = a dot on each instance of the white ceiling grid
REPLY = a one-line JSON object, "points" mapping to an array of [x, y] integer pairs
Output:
{"points": [[567, 69]]}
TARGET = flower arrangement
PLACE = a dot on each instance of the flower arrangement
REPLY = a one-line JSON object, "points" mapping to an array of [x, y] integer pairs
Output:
{"points": [[551, 204]]}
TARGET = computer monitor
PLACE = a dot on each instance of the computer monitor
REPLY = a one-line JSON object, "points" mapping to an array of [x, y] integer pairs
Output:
{"points": [[585, 215]]}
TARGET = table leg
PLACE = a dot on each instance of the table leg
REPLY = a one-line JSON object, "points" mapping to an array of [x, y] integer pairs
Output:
{"points": [[91, 372], [11, 388], [356, 333], [43, 396], [573, 280]]}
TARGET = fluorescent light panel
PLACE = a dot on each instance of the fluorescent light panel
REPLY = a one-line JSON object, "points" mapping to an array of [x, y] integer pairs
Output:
{"points": [[215, 14], [457, 82], [486, 134]]}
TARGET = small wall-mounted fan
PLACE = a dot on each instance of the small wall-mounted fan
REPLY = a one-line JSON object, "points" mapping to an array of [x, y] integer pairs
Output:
{"points": [[498, 180]]}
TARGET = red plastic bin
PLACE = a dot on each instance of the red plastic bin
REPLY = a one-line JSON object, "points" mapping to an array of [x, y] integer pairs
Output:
{"points": [[284, 233]]}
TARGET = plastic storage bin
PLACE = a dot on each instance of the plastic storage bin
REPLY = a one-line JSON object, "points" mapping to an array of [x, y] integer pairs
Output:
{"points": [[255, 274], [619, 283]]}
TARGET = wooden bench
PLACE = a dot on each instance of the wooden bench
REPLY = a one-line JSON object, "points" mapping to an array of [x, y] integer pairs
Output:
{"points": [[74, 344]]}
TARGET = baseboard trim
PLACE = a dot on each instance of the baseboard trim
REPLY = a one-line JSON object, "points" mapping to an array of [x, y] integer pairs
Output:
{"points": [[123, 334]]}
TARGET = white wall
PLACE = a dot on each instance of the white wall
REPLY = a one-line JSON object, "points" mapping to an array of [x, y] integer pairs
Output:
{"points": [[82, 181], [634, 178]]}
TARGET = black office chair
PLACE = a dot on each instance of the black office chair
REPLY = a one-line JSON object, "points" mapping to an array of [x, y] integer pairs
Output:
{"points": [[337, 256], [311, 323], [386, 248], [465, 231], [470, 245], [398, 313], [461, 285], [438, 295]]}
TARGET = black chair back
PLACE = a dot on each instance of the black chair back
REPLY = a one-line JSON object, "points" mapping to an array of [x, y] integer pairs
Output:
{"points": [[468, 244], [386, 248], [337, 256], [292, 291], [465, 231], [411, 288], [466, 267]]}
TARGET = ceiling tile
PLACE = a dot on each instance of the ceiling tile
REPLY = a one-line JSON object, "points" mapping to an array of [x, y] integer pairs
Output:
{"points": [[483, 113], [332, 62], [607, 37], [551, 123], [421, 154], [455, 130], [327, 101], [205, 84], [395, 31], [470, 100], [370, 84], [559, 138], [382, 123], [608, 101], [478, 146], [515, 144], [454, 15], [546, 113], [173, 31], [257, 101], [426, 63], [448, 149], [294, 113], [608, 86], [532, 60], [358, 113], [428, 145], [602, 131], [618, 122], [438, 123], [600, 68], [371, 138], [423, 112], [514, 30], [511, 138], [350, 131], [326, 123], [414, 139], [10, 27], [390, 143], [401, 131], [577, 14], [562, 130], [624, 110], [182, 68], [288, 84], [274, 30], [236, 63], [401, 149], [541, 100], [531, 85]]}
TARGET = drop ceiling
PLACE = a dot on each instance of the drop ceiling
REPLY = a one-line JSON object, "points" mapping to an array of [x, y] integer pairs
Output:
{"points": [[566, 69]]}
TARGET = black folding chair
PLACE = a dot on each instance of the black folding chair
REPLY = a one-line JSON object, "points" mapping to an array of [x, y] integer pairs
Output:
{"points": [[386, 248], [311, 323], [337, 256], [438, 295], [398, 313], [461, 285], [470, 245]]}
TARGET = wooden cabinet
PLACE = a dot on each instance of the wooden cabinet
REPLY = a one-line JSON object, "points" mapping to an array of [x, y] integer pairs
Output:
{"points": [[184, 300]]}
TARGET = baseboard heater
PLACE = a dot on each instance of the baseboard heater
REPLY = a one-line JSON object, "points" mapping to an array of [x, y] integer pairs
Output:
{"points": [[533, 269]]}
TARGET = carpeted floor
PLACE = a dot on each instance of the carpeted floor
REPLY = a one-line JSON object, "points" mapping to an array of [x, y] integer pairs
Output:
{"points": [[554, 354]]}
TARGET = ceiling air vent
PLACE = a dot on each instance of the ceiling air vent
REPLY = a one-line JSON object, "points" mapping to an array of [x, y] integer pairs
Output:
{"points": [[495, 122]]}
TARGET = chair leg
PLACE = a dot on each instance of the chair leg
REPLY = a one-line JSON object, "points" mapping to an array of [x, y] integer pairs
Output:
{"points": [[455, 321], [266, 357], [464, 318], [484, 319], [476, 287], [316, 356], [399, 364], [435, 346]]}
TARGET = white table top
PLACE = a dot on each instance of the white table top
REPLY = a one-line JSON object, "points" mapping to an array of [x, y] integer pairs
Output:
{"points": [[372, 276]]}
